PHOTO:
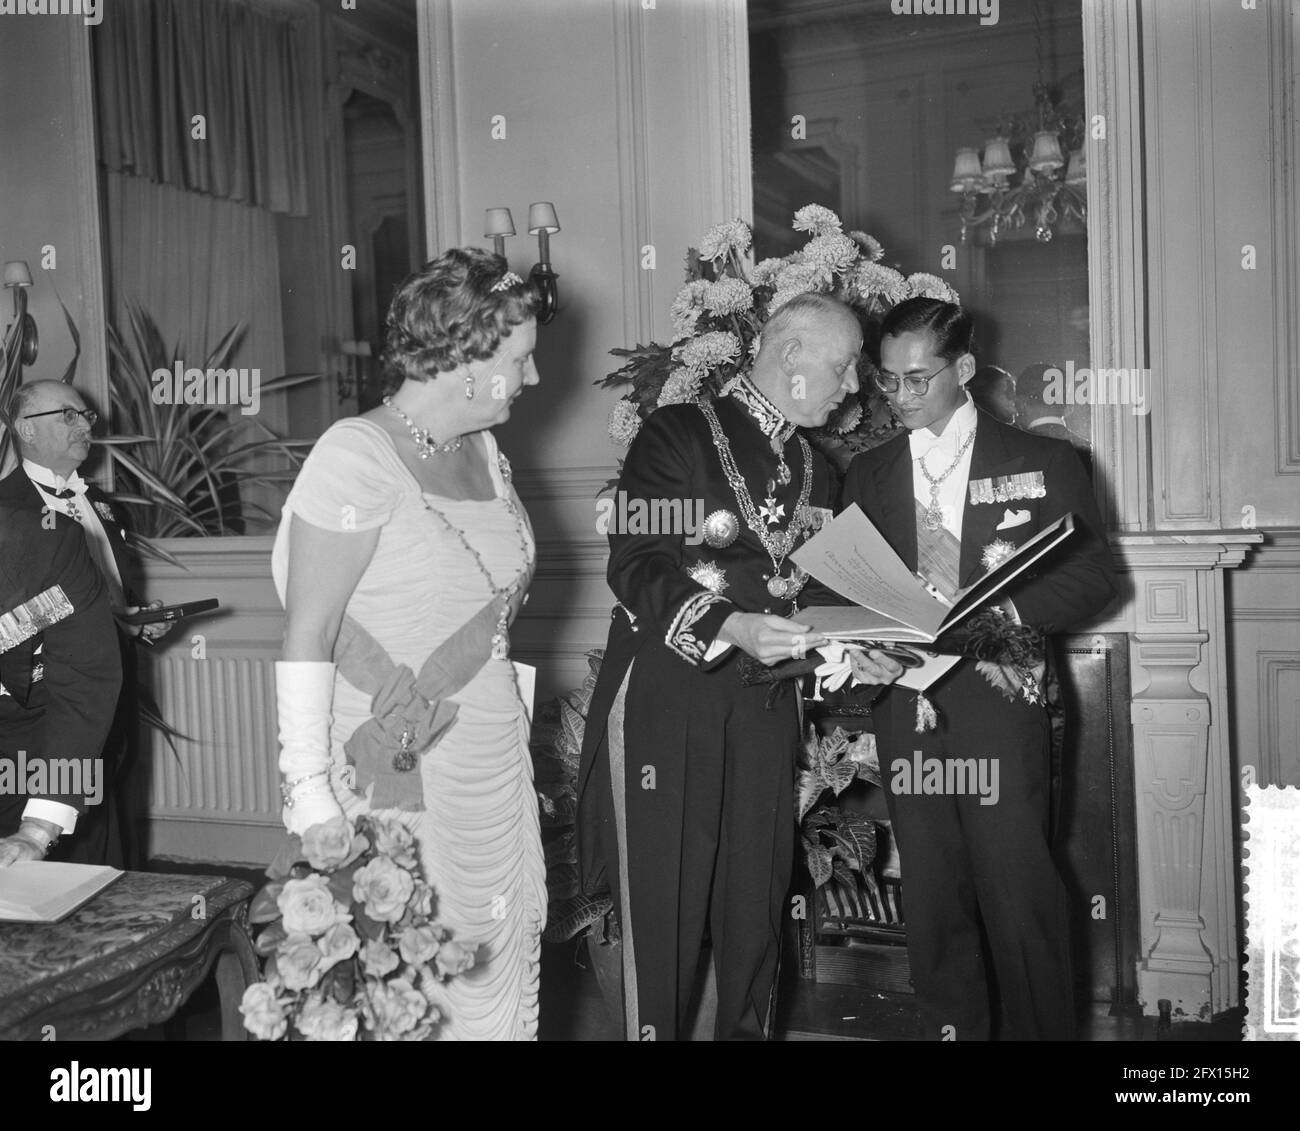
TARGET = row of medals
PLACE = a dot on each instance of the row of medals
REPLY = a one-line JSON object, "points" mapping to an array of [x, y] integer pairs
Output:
{"points": [[722, 528]]}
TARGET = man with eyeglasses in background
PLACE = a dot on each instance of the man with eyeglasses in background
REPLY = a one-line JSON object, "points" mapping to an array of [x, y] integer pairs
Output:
{"points": [[958, 491], [51, 426]]}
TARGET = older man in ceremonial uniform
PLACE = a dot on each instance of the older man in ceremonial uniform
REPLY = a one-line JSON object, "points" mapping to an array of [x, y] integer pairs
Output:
{"points": [[52, 427], [958, 492], [685, 789], [60, 673]]}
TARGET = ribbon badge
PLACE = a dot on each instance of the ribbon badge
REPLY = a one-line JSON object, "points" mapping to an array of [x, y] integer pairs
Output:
{"points": [[1006, 488]]}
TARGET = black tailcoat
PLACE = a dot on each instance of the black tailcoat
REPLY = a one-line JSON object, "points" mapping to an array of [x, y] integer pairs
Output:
{"points": [[967, 864], [700, 834], [102, 834], [68, 712]]}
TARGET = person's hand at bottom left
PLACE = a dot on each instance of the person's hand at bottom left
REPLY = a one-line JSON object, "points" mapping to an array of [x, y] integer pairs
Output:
{"points": [[30, 842]]}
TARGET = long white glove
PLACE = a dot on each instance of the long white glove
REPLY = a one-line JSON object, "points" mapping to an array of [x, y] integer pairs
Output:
{"points": [[304, 694]]}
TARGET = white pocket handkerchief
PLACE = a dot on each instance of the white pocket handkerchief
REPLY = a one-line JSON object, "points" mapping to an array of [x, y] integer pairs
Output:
{"points": [[1012, 518]]}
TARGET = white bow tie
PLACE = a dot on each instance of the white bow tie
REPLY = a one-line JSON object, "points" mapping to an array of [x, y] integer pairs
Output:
{"points": [[922, 442], [73, 483]]}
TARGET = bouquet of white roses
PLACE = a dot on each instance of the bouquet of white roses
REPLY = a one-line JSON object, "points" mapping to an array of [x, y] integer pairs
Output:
{"points": [[719, 314], [350, 946]]}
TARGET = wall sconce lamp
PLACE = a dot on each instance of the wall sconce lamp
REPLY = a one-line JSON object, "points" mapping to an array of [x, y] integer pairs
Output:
{"points": [[542, 222], [21, 341]]}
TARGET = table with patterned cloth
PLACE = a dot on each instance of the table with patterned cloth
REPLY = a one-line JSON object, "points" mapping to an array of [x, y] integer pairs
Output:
{"points": [[127, 959]]}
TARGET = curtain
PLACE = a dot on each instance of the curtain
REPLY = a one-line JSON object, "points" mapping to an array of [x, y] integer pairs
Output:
{"points": [[159, 63], [199, 266]]}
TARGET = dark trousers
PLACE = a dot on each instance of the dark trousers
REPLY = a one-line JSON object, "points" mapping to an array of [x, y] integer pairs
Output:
{"points": [[976, 873], [707, 839], [98, 837]]}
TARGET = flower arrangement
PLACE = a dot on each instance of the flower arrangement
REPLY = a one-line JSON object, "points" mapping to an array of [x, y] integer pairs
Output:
{"points": [[351, 948], [719, 314]]}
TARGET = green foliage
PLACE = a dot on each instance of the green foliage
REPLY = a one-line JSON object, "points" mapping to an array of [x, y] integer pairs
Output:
{"points": [[185, 469], [838, 843]]}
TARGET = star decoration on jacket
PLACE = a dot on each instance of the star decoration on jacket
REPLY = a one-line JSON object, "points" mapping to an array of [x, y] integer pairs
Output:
{"points": [[771, 511]]}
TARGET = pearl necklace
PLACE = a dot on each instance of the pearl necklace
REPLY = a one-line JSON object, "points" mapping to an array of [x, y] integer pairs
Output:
{"points": [[423, 444], [501, 638]]}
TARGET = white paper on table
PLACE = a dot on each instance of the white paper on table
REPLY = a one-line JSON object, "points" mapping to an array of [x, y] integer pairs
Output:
{"points": [[526, 680]]}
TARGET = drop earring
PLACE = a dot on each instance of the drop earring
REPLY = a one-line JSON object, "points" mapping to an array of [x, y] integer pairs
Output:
{"points": [[469, 387]]}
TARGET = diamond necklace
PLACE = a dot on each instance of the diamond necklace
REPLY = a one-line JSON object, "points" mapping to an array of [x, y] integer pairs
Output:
{"points": [[932, 516], [777, 545], [423, 444]]}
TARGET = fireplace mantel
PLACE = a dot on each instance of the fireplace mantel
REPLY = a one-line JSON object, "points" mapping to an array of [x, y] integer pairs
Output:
{"points": [[1172, 607]]}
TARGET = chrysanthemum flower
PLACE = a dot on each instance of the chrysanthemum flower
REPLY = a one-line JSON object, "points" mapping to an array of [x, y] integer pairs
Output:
{"points": [[731, 235], [816, 219], [624, 423], [708, 350], [923, 285], [729, 296], [682, 385]]}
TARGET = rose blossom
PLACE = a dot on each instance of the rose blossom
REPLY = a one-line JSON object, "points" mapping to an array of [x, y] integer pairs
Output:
{"points": [[384, 888], [326, 1021], [336, 944], [418, 944], [394, 840], [308, 906], [454, 958], [299, 961], [379, 958], [264, 1016], [332, 844], [398, 1007]]}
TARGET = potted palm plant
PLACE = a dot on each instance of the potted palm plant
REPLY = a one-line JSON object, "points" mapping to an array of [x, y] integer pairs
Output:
{"points": [[186, 470]]}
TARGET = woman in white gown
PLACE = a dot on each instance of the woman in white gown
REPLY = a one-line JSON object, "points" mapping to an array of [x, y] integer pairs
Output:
{"points": [[403, 538]]}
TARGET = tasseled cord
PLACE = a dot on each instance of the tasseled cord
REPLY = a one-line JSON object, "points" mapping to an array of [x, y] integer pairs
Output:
{"points": [[926, 719]]}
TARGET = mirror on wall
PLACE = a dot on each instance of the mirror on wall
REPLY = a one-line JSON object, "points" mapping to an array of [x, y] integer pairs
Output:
{"points": [[865, 112]]}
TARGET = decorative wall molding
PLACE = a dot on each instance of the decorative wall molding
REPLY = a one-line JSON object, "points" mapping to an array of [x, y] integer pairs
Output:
{"points": [[1278, 683], [92, 368], [633, 98], [1116, 251], [1283, 36], [438, 125]]}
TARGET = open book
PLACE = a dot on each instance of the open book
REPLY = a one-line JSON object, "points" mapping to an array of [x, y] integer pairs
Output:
{"points": [[892, 603], [34, 891]]}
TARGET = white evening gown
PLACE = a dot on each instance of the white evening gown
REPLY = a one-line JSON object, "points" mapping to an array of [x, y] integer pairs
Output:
{"points": [[479, 836]]}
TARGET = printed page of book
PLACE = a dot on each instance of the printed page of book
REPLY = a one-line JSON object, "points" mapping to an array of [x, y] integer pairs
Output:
{"points": [[852, 557], [38, 891]]}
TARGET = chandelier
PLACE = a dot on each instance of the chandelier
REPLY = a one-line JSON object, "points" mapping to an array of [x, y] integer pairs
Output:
{"points": [[1023, 175]]}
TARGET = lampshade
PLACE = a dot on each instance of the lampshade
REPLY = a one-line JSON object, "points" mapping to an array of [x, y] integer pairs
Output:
{"points": [[1077, 173], [17, 274], [1046, 156], [997, 159], [499, 222], [967, 176], [541, 218]]}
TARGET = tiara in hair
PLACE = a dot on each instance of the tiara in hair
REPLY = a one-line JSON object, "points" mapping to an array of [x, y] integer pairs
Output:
{"points": [[508, 280]]}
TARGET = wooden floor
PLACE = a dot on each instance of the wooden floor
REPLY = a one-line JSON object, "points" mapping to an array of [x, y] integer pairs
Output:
{"points": [[572, 1008]]}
